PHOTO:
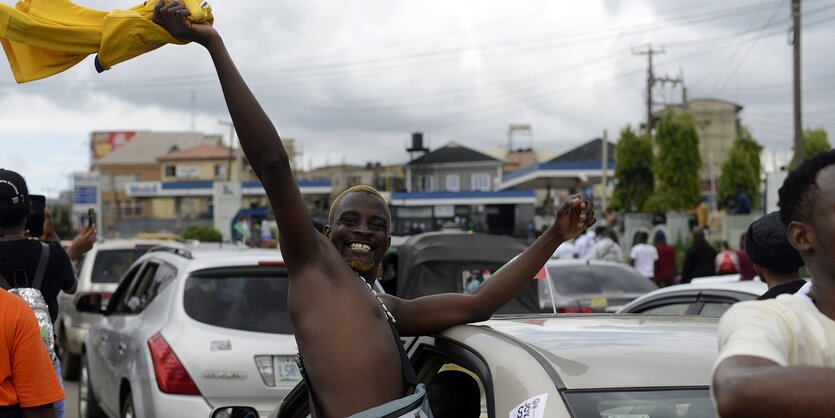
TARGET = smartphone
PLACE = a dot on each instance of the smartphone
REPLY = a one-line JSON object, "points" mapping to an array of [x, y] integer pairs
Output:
{"points": [[34, 223], [91, 217]]}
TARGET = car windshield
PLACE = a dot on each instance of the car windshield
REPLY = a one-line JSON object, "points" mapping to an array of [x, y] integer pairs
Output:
{"points": [[691, 403], [242, 301], [109, 265], [580, 279]]}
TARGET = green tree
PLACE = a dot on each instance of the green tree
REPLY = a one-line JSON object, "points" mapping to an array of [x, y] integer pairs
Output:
{"points": [[61, 221], [677, 163], [634, 182], [814, 141], [741, 169], [202, 233]]}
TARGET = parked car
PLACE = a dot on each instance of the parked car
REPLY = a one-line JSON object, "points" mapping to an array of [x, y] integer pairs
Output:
{"points": [[556, 366], [586, 286], [188, 330], [707, 298], [99, 270]]}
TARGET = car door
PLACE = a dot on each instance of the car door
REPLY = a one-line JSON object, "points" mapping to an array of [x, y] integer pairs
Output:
{"points": [[103, 339]]}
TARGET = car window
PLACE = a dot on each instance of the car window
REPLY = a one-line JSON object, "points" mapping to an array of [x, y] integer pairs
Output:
{"points": [[573, 280], [118, 302], [619, 279], [136, 298], [457, 392], [163, 274], [693, 403], [584, 279], [671, 309], [243, 300], [715, 308], [109, 265]]}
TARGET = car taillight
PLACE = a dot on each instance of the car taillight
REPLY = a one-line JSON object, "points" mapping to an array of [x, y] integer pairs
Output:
{"points": [[172, 377], [574, 309], [265, 368]]}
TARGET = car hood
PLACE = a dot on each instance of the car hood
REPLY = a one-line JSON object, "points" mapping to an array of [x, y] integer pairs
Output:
{"points": [[221, 362]]}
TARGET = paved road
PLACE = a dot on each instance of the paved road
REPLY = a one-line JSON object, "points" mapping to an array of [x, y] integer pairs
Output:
{"points": [[71, 392]]}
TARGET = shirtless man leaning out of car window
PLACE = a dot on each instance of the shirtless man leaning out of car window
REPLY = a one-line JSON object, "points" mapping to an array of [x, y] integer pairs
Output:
{"points": [[343, 331]]}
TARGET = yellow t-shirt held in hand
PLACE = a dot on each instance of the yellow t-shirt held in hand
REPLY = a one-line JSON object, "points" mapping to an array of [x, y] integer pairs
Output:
{"points": [[44, 37]]}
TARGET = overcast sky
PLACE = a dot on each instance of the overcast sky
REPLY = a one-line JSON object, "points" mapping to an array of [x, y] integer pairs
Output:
{"points": [[351, 80]]}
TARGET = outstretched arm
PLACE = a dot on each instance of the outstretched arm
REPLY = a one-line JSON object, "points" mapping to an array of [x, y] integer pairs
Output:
{"points": [[747, 386], [258, 136], [431, 314]]}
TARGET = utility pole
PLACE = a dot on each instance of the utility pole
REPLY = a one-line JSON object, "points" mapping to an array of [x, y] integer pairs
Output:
{"points": [[649, 52], [798, 122], [605, 166]]}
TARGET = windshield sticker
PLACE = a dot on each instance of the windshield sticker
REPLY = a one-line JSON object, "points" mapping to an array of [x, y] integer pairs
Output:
{"points": [[531, 408], [221, 345]]}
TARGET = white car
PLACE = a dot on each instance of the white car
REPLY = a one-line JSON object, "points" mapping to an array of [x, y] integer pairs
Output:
{"points": [[99, 270], [560, 366], [705, 298], [188, 330]]}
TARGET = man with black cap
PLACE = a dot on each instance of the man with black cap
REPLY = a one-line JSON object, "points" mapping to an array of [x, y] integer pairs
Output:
{"points": [[19, 256], [775, 260]]}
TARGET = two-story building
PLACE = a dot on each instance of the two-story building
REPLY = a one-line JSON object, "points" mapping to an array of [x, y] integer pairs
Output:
{"points": [[455, 187]]}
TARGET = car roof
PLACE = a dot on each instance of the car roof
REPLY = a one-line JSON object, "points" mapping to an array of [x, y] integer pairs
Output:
{"points": [[754, 287], [206, 256], [127, 243], [618, 351], [577, 262]]}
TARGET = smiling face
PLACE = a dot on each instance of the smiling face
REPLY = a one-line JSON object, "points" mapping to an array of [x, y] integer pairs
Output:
{"points": [[359, 231]]}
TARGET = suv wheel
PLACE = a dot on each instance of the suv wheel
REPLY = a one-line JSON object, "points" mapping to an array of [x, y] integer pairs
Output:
{"points": [[70, 363], [88, 406]]}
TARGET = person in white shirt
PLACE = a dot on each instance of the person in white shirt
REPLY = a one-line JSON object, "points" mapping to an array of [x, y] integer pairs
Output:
{"points": [[644, 256], [777, 356], [566, 251], [607, 247], [584, 243]]}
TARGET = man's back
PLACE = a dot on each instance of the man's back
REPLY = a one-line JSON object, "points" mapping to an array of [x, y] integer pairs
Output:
{"points": [[698, 261], [22, 255]]}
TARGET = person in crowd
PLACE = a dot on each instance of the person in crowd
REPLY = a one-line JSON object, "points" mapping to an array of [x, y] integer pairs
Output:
{"points": [[726, 260], [775, 260], [644, 256], [699, 214], [566, 251], [350, 352], [18, 254], [777, 356], [607, 247], [665, 266], [699, 258], [743, 202], [746, 267], [659, 217], [585, 243]]}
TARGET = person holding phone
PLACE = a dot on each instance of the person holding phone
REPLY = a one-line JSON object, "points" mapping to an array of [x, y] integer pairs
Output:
{"points": [[19, 255]]}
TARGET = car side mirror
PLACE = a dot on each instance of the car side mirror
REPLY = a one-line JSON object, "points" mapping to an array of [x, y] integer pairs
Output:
{"points": [[90, 303], [234, 412]]}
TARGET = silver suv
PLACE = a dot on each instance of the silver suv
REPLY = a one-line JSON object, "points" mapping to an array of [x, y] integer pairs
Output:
{"points": [[99, 271], [188, 330]]}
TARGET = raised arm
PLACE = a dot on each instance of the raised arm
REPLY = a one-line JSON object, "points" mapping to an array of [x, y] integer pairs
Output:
{"points": [[431, 314], [258, 136], [746, 386]]}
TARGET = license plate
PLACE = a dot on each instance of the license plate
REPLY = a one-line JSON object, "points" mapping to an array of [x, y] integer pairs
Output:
{"points": [[286, 370], [599, 303]]}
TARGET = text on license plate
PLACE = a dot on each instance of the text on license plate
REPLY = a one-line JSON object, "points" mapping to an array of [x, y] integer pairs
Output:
{"points": [[286, 370]]}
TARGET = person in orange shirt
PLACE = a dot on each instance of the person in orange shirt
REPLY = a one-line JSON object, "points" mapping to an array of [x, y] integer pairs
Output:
{"points": [[28, 383]]}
